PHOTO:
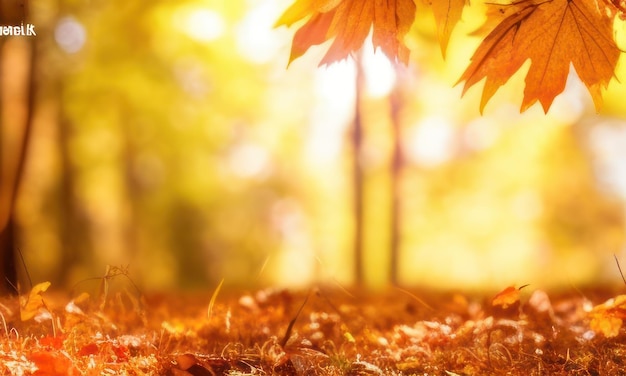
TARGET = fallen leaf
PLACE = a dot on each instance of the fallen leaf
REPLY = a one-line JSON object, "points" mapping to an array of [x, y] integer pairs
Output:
{"points": [[52, 363], [349, 22], [507, 297], [607, 318], [49, 342], [553, 35], [120, 353], [89, 349], [607, 325], [34, 302]]}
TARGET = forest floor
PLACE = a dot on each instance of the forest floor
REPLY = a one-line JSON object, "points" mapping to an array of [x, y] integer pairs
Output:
{"points": [[323, 331]]}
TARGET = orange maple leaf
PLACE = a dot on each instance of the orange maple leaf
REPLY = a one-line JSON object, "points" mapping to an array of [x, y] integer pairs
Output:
{"points": [[447, 15], [607, 318], [553, 34], [349, 22], [507, 297]]}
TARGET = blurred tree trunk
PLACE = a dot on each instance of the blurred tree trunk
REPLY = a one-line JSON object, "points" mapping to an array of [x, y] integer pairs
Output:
{"points": [[17, 92], [71, 219], [17, 56], [356, 135], [73, 225], [397, 166]]}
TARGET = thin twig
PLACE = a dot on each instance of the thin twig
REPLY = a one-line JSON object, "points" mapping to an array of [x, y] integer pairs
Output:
{"points": [[30, 281], [619, 268], [418, 299], [293, 321], [11, 284]]}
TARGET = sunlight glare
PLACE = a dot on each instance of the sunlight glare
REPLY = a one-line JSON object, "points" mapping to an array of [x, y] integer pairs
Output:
{"points": [[568, 107], [256, 38], [249, 161], [608, 143], [335, 94], [481, 133], [431, 142], [379, 72], [202, 25], [297, 257]]}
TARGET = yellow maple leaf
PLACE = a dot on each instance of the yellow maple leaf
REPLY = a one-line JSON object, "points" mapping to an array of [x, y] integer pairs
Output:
{"points": [[303, 8], [553, 35], [607, 318], [447, 15], [348, 22], [34, 301]]}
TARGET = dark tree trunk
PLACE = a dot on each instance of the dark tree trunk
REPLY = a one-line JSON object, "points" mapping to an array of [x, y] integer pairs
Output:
{"points": [[6, 231], [14, 164], [7, 246], [73, 228], [16, 109]]}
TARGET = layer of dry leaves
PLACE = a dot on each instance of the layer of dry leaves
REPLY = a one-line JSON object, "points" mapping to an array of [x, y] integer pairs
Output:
{"points": [[324, 331], [552, 34]]}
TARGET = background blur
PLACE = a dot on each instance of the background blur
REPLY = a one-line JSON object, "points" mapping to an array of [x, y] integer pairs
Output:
{"points": [[168, 135]]}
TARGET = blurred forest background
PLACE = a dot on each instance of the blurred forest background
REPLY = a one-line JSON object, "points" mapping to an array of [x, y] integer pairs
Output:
{"points": [[169, 136]]}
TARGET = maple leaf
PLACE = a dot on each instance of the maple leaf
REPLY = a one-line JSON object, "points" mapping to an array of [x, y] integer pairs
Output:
{"points": [[553, 34], [607, 318], [349, 22], [302, 8], [34, 302], [617, 6], [53, 363], [507, 297], [447, 15]]}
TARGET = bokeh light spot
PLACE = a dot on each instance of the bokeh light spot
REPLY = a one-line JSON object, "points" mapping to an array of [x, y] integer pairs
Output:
{"points": [[70, 35]]}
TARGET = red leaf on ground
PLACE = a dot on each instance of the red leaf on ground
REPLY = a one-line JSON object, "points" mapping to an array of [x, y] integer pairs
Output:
{"points": [[89, 349], [55, 343], [121, 353], [52, 364]]}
